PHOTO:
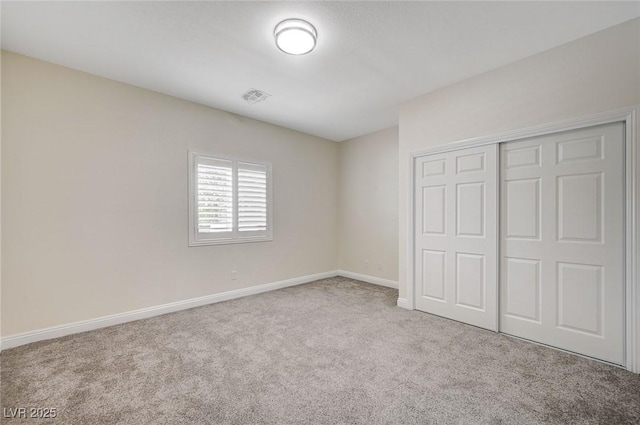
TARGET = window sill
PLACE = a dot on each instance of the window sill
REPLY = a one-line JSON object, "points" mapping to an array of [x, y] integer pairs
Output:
{"points": [[230, 241]]}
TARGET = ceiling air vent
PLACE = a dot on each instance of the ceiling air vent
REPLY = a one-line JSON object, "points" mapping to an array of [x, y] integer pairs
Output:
{"points": [[255, 96]]}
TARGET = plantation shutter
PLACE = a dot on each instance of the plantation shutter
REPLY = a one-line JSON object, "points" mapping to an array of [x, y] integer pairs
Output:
{"points": [[229, 200], [253, 199], [215, 189]]}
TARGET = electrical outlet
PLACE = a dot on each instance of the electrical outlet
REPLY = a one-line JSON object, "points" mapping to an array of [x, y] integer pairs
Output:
{"points": [[379, 266], [234, 275], [366, 264]]}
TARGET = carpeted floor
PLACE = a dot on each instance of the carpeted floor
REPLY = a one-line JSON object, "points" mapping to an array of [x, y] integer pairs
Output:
{"points": [[335, 351]]}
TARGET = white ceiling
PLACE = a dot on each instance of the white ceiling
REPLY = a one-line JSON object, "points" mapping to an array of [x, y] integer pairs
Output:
{"points": [[371, 56]]}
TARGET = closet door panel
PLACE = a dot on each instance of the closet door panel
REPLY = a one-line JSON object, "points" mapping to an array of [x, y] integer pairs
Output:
{"points": [[562, 241], [456, 235]]}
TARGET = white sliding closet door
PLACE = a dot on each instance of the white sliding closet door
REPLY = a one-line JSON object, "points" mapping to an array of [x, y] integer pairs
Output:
{"points": [[561, 277], [456, 235]]}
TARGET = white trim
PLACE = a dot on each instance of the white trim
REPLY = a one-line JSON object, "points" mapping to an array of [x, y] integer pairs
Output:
{"points": [[409, 301], [116, 319], [369, 279], [632, 229], [632, 222], [402, 303]]}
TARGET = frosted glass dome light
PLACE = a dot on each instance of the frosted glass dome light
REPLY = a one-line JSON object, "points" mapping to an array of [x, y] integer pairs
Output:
{"points": [[295, 36]]}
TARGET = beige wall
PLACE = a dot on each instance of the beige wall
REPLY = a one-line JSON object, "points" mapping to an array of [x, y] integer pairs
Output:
{"points": [[94, 198], [0, 201], [368, 205], [597, 73]]}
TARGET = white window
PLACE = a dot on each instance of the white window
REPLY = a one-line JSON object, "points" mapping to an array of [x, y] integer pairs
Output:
{"points": [[229, 200]]}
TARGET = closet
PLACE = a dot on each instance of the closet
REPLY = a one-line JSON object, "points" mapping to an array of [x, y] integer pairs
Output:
{"points": [[527, 238]]}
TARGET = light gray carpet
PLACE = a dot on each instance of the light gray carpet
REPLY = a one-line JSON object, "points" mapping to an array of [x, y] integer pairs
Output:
{"points": [[336, 351]]}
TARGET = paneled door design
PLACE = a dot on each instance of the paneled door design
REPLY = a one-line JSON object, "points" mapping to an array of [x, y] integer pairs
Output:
{"points": [[456, 235], [561, 272]]}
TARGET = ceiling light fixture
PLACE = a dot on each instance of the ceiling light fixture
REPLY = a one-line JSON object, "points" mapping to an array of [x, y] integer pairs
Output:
{"points": [[295, 36]]}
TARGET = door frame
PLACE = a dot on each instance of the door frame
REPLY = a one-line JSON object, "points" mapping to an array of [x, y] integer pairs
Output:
{"points": [[627, 116]]}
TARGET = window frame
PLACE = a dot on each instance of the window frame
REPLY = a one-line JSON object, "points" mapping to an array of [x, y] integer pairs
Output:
{"points": [[235, 236]]}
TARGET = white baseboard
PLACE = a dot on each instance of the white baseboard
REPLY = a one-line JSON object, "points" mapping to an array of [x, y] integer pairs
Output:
{"points": [[368, 279], [116, 319], [402, 302]]}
